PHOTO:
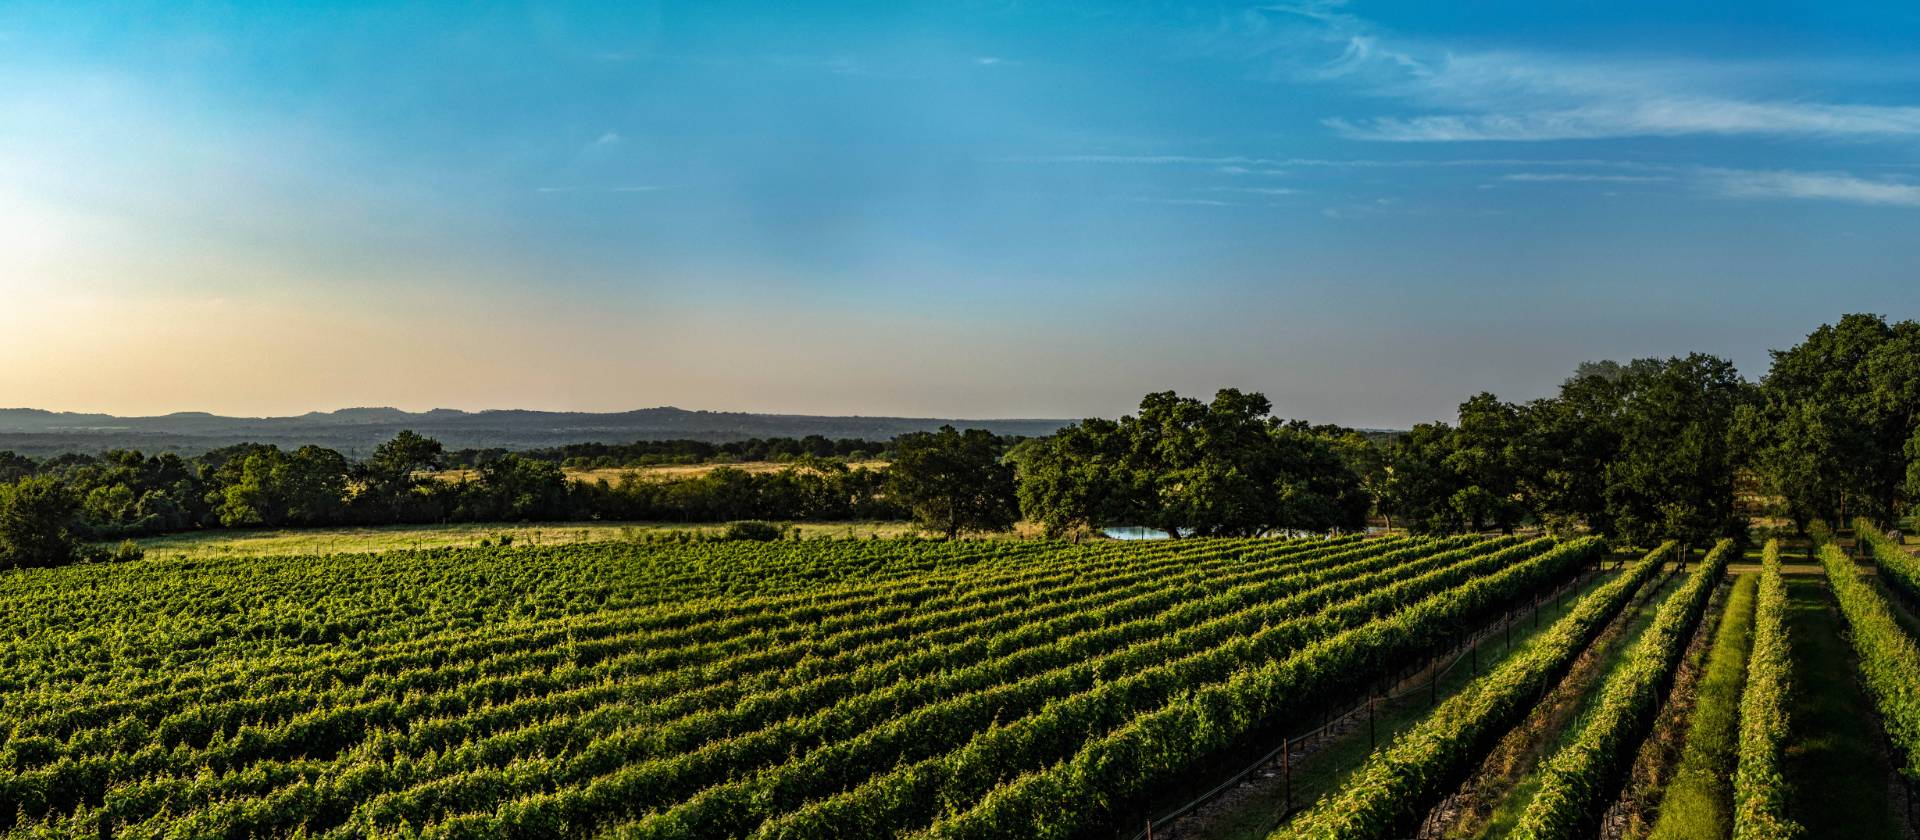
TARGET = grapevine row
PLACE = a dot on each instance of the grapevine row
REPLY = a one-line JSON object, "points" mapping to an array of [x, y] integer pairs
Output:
{"points": [[1099, 781], [1889, 660], [1390, 794], [1578, 782], [1759, 787]]}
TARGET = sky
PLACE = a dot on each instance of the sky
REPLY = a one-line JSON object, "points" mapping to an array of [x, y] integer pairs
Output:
{"points": [[1368, 211]]}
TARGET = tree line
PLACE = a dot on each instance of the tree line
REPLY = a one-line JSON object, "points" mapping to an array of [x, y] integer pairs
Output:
{"points": [[49, 509], [1677, 448]]}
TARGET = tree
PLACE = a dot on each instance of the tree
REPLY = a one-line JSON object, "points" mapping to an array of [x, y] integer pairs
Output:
{"points": [[1674, 475], [273, 488], [14, 466], [399, 462], [1835, 416], [954, 481], [395, 482], [1079, 478], [1422, 486], [1224, 468], [1483, 454], [1566, 444], [36, 523], [511, 487]]}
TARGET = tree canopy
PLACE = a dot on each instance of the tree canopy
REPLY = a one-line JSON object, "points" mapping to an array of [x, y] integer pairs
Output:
{"points": [[1220, 468], [953, 481]]}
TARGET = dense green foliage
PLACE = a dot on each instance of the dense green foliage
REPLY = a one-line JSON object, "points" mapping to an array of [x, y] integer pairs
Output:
{"points": [[1901, 570], [35, 514], [1224, 468], [1391, 793], [1889, 659], [1580, 780], [797, 689], [1641, 452], [1759, 787], [1837, 431], [126, 493], [1095, 785], [953, 481]]}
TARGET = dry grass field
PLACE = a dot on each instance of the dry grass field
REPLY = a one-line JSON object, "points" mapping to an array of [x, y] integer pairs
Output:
{"points": [[662, 472]]}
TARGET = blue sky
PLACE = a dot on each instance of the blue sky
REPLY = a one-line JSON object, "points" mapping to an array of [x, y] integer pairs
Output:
{"points": [[1368, 210]]}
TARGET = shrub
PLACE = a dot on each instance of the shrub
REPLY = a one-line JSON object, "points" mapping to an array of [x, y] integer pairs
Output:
{"points": [[755, 530]]}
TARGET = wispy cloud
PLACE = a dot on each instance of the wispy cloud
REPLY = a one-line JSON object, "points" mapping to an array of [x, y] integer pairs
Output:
{"points": [[1647, 117], [1486, 95], [1258, 190], [1190, 202], [1582, 177], [1254, 165], [1133, 159], [610, 138], [1825, 186], [624, 189]]}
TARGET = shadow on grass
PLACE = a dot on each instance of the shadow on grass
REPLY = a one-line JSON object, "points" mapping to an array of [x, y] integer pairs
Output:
{"points": [[1835, 767]]}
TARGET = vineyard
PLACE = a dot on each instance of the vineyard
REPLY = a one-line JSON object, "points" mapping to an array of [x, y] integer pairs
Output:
{"points": [[984, 689]]}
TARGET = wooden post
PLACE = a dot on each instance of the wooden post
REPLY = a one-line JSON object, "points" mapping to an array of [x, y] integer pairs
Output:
{"points": [[1286, 768], [1373, 738], [1149, 828], [1476, 657]]}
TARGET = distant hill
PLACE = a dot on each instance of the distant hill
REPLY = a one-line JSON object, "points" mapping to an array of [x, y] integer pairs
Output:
{"points": [[355, 431]]}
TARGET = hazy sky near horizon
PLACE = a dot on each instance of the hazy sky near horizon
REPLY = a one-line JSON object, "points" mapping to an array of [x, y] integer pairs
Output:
{"points": [[1367, 210]]}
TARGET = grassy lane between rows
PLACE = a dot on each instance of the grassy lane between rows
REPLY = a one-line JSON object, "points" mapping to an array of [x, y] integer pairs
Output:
{"points": [[1698, 804], [1835, 768]]}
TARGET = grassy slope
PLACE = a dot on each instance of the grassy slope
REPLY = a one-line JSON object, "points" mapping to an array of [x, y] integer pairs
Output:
{"points": [[1836, 771], [1698, 804], [1327, 769]]}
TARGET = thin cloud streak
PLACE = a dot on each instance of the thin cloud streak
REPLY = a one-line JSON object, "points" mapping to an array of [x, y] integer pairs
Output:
{"points": [[1823, 186], [1648, 118], [1486, 95], [634, 189], [1259, 190], [1577, 177], [1240, 165]]}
